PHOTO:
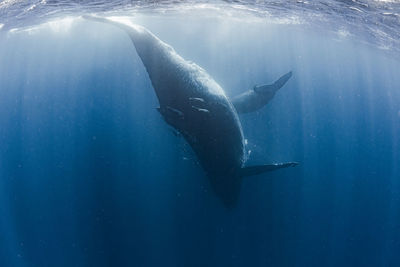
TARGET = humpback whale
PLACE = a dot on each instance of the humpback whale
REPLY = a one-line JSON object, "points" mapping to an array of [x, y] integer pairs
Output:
{"points": [[197, 107]]}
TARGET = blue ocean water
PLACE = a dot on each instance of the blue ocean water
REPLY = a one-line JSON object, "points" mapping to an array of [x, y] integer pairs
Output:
{"points": [[91, 175]]}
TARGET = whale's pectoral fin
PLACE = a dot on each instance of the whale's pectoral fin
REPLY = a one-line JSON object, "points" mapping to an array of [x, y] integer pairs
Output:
{"points": [[259, 96], [258, 169], [273, 88]]}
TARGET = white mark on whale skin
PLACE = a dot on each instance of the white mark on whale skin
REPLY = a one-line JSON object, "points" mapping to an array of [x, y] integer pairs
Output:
{"points": [[196, 99], [180, 113], [201, 109]]}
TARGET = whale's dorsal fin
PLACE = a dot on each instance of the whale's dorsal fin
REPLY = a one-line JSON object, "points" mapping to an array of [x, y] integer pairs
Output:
{"points": [[258, 169]]}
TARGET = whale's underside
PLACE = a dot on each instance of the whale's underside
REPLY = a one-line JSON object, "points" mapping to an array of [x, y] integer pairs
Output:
{"points": [[197, 107]]}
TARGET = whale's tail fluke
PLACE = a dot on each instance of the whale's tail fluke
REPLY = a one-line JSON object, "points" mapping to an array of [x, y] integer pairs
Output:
{"points": [[258, 169]]}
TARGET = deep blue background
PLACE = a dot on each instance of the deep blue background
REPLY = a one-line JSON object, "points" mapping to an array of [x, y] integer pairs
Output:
{"points": [[90, 175]]}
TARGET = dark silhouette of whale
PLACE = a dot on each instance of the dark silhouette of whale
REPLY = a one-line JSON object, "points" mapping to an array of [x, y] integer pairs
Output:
{"points": [[197, 107]]}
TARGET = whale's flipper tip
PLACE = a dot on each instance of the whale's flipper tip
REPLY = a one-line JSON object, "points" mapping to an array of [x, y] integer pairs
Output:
{"points": [[273, 88], [258, 169], [259, 96], [283, 79]]}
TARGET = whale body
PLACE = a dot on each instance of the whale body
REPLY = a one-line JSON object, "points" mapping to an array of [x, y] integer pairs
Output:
{"points": [[197, 107]]}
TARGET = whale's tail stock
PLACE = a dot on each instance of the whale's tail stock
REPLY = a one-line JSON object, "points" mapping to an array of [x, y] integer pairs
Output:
{"points": [[258, 169]]}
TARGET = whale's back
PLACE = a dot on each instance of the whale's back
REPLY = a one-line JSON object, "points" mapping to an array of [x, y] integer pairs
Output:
{"points": [[207, 118]]}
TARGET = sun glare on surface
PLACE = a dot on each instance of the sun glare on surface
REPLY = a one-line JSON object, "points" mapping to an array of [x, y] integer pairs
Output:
{"points": [[61, 25]]}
